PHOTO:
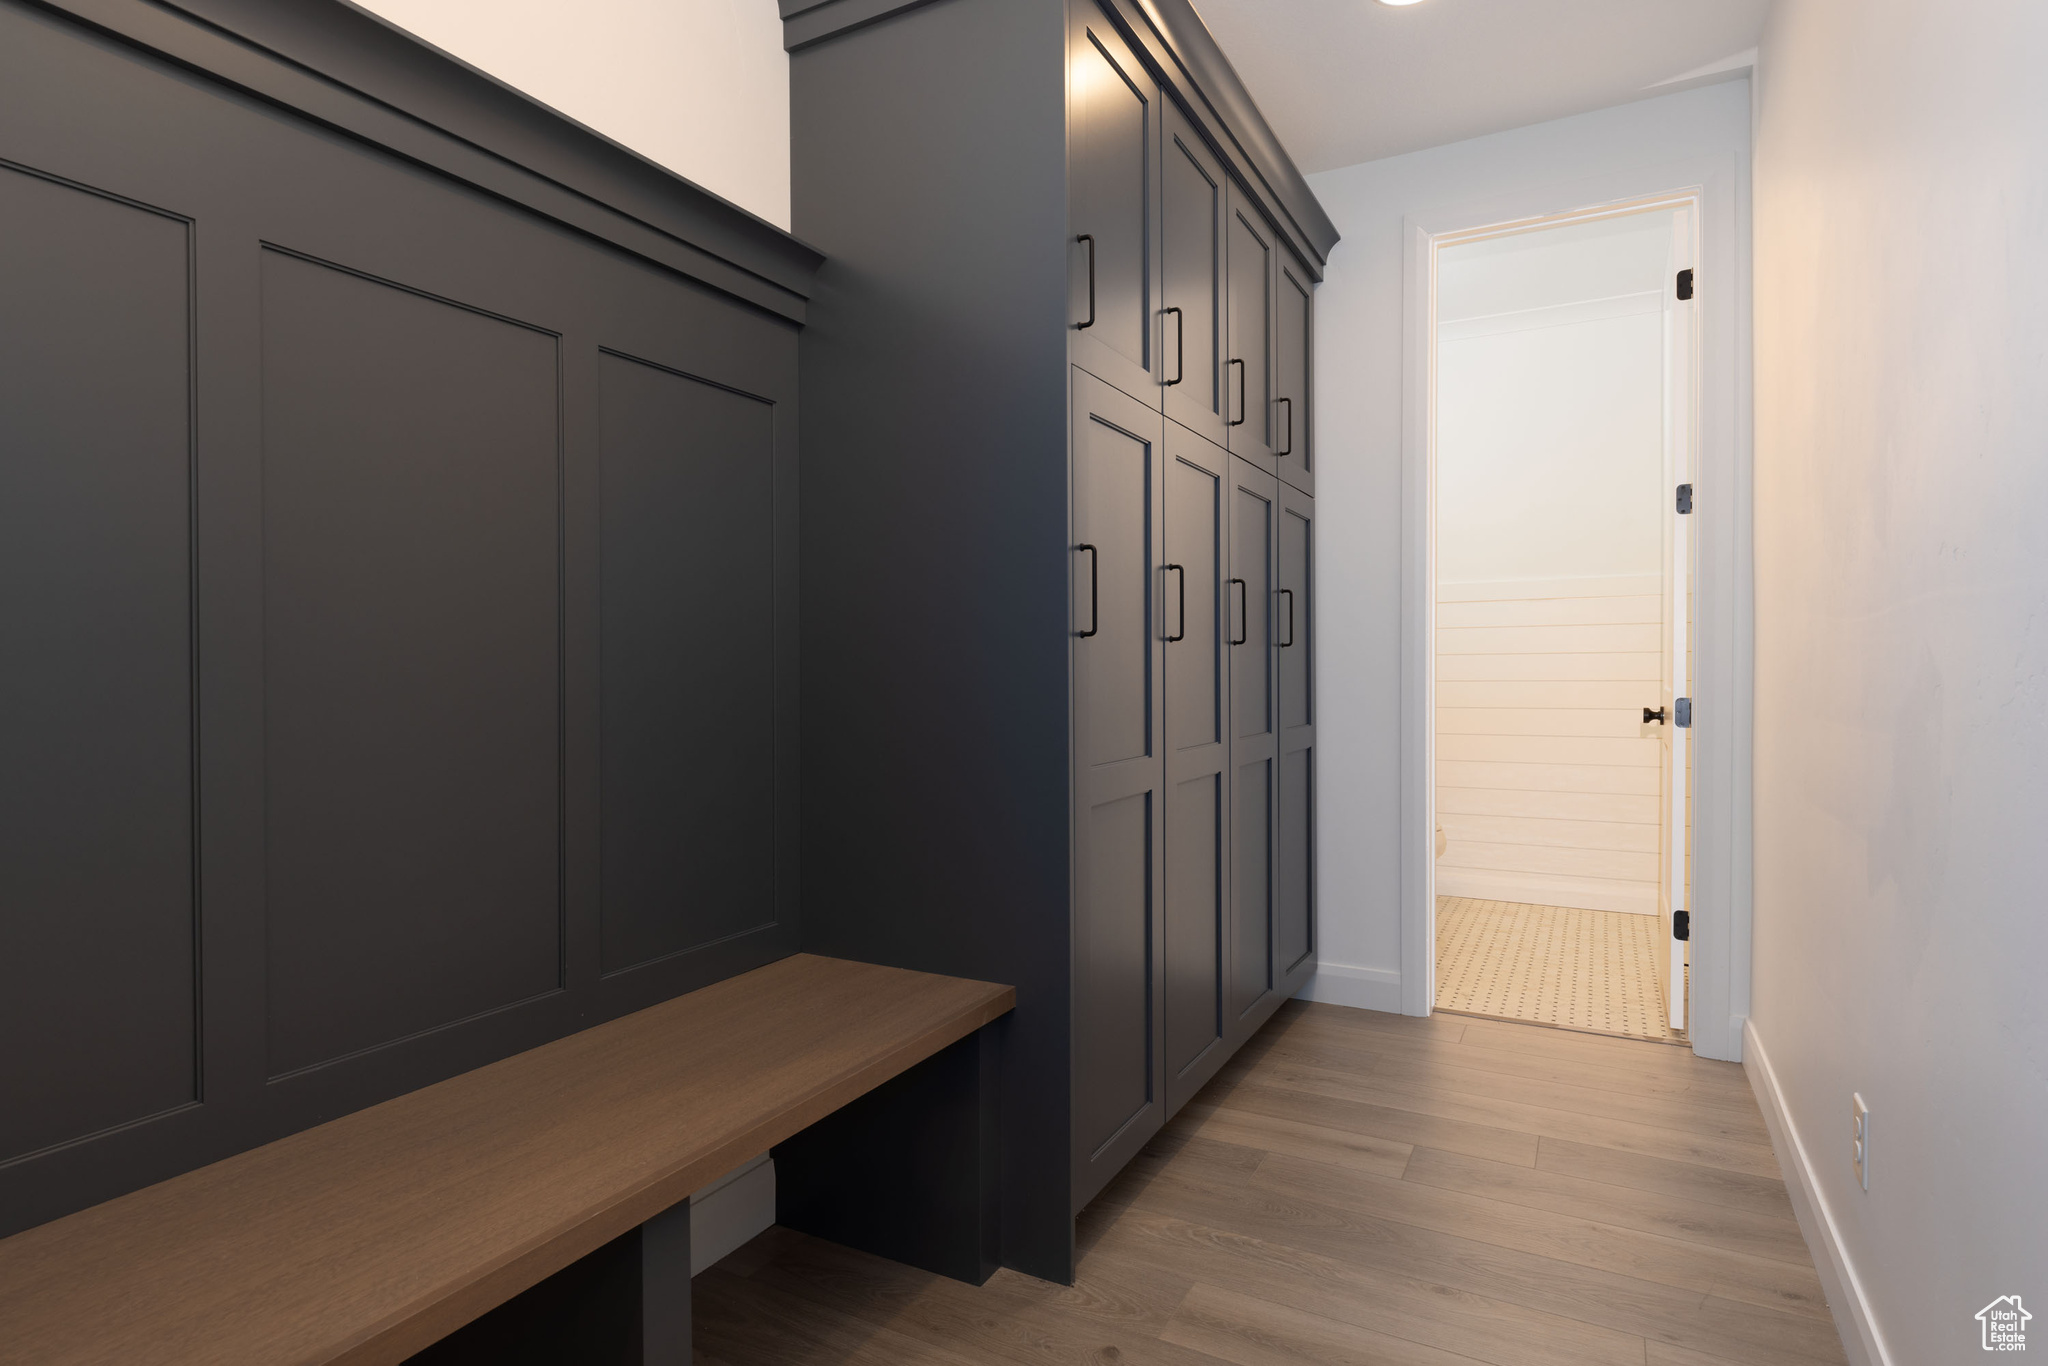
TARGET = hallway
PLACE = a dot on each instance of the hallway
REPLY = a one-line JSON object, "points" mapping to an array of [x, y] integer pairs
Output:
{"points": [[1370, 1188]]}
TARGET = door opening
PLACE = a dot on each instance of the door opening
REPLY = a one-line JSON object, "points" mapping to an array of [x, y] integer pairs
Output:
{"points": [[1562, 432]]}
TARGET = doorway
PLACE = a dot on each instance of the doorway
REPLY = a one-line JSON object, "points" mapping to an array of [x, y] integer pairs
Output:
{"points": [[1562, 431]]}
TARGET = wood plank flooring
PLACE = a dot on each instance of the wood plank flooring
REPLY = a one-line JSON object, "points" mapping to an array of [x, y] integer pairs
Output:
{"points": [[1362, 1189]]}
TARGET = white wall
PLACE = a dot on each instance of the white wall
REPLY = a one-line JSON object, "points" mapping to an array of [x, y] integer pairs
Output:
{"points": [[1901, 944], [700, 86], [1359, 487]]}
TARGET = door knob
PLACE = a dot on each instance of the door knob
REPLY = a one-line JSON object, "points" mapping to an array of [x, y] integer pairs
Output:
{"points": [[1660, 716]]}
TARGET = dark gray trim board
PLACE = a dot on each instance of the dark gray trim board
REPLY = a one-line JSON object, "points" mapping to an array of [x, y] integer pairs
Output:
{"points": [[1184, 55], [350, 70]]}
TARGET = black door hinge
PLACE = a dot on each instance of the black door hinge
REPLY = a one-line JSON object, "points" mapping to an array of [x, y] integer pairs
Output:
{"points": [[1682, 708], [1684, 499], [1685, 284], [1681, 924]]}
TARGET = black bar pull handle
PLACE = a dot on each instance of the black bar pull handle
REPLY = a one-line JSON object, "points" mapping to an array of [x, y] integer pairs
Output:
{"points": [[1244, 614], [1180, 354], [1240, 393], [1089, 238], [1290, 424], [1180, 577], [1094, 584], [1290, 618]]}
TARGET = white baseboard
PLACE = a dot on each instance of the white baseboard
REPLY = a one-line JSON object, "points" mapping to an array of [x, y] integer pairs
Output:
{"points": [[731, 1212], [1341, 984], [1839, 1282]]}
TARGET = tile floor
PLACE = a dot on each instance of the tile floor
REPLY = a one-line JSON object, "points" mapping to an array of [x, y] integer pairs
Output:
{"points": [[1554, 965]]}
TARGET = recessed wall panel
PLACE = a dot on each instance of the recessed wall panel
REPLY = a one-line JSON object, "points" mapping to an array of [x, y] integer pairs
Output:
{"points": [[411, 661], [97, 988], [1113, 971], [688, 621]]}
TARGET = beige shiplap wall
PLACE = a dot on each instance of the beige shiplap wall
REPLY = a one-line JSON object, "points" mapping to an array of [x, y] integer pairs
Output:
{"points": [[1547, 789]]}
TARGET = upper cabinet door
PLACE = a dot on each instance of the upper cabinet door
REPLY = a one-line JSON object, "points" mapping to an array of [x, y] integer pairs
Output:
{"points": [[1248, 367], [1191, 338], [1295, 376], [1112, 242]]}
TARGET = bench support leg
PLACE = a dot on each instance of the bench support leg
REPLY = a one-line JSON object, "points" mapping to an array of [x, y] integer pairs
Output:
{"points": [[909, 1171], [626, 1304]]}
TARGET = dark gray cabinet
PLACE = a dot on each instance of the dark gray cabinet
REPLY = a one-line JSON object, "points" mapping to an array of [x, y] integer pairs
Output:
{"points": [[1294, 368], [1249, 255], [1192, 316], [1254, 812], [1294, 936], [1119, 778], [1114, 131], [1042, 717], [1195, 605]]}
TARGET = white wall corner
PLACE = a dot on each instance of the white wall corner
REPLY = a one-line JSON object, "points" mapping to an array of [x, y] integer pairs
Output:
{"points": [[1342, 984], [1854, 1320]]}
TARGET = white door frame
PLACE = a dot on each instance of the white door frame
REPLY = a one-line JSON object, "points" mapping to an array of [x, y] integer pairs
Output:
{"points": [[1724, 608]]}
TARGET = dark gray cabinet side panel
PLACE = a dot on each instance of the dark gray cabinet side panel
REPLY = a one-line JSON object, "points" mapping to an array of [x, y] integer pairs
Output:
{"points": [[412, 638], [1249, 244], [1191, 273], [1197, 635], [1254, 515], [97, 987], [1295, 913], [1121, 617], [1113, 148], [1294, 350], [929, 165], [687, 663]]}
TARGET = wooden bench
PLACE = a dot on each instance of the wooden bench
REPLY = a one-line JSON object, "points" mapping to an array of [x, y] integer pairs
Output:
{"points": [[375, 1236]]}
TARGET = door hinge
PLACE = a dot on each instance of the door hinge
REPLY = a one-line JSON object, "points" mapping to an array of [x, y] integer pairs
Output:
{"points": [[1683, 712], [1685, 284], [1684, 499], [1681, 924]]}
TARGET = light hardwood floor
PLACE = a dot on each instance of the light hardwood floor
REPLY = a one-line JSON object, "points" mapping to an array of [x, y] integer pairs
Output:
{"points": [[1363, 1188]]}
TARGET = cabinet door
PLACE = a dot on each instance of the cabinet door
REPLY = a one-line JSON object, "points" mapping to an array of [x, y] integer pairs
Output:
{"points": [[1254, 732], [1294, 348], [1191, 338], [1248, 381], [1118, 1038], [1112, 236], [1294, 934], [1196, 636]]}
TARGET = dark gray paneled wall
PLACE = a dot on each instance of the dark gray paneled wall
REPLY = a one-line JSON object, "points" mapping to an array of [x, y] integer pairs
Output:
{"points": [[934, 534], [400, 595]]}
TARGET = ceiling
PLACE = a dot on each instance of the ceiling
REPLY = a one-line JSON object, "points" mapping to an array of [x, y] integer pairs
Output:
{"points": [[1345, 81]]}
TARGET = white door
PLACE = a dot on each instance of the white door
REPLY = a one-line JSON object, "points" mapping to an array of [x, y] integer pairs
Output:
{"points": [[1680, 440]]}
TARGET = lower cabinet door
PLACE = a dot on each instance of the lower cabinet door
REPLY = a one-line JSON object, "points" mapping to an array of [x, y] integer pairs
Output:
{"points": [[1294, 930], [1197, 635], [1118, 1049], [1254, 733]]}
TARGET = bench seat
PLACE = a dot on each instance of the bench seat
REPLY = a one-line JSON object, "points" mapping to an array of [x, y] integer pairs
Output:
{"points": [[371, 1237]]}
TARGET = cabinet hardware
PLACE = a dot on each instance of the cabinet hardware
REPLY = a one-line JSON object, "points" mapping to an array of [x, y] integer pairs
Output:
{"points": [[1181, 578], [1094, 583], [1290, 424], [1180, 337], [1089, 238], [1240, 393], [1244, 613], [1290, 618]]}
